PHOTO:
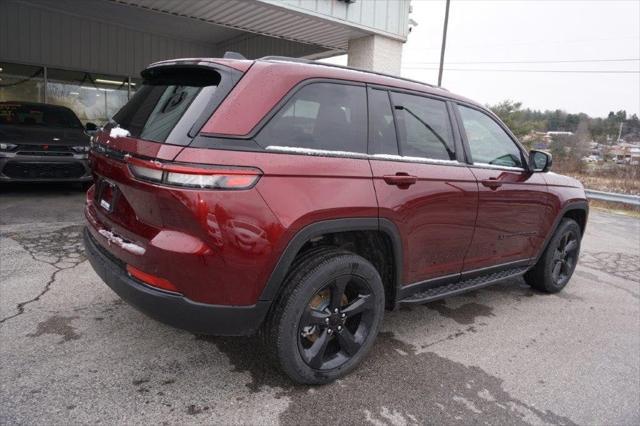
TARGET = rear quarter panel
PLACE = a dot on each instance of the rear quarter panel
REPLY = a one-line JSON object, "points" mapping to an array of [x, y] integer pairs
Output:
{"points": [[298, 190], [210, 244]]}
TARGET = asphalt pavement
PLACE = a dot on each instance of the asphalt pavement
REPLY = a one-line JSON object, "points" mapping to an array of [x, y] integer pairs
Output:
{"points": [[72, 352]]}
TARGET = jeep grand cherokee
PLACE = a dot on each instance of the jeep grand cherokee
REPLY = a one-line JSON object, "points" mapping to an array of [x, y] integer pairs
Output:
{"points": [[299, 200]]}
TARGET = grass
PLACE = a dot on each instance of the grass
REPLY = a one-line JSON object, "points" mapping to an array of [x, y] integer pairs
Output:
{"points": [[609, 184], [607, 177], [619, 208]]}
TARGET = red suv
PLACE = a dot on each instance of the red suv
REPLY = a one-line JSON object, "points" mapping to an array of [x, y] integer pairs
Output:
{"points": [[300, 200]]}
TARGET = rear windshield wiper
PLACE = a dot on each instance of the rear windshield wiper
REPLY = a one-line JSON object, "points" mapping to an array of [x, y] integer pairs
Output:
{"points": [[452, 155]]}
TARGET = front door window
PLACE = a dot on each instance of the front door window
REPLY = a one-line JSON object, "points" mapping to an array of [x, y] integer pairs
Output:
{"points": [[488, 142]]}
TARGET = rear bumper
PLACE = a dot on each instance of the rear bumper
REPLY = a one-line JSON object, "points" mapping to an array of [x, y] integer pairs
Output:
{"points": [[173, 309]]}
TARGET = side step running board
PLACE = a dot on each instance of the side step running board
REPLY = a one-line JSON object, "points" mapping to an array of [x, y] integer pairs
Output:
{"points": [[460, 287]]}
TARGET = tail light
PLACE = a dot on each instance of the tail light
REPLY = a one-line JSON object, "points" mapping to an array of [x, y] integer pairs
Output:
{"points": [[194, 175], [151, 280]]}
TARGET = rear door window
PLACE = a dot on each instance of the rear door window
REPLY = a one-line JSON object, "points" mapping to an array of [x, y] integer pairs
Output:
{"points": [[381, 125], [424, 128], [320, 116], [168, 103]]}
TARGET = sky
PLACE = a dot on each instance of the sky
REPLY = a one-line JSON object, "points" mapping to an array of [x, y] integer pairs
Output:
{"points": [[484, 34]]}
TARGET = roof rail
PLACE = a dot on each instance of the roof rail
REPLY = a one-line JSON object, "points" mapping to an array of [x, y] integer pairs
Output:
{"points": [[288, 59], [233, 55], [312, 62]]}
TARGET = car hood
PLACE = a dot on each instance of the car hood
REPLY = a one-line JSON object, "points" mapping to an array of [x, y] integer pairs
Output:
{"points": [[43, 135]]}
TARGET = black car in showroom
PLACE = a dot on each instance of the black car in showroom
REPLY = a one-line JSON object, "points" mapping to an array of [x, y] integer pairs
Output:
{"points": [[42, 142]]}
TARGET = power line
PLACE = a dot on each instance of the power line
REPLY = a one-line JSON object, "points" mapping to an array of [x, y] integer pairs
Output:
{"points": [[561, 61], [535, 71], [540, 42]]}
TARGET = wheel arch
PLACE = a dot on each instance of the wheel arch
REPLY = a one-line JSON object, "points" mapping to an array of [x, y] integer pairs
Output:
{"points": [[314, 230], [579, 214], [576, 210]]}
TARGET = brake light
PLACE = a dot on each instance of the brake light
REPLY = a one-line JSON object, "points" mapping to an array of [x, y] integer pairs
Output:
{"points": [[194, 175], [151, 280]]}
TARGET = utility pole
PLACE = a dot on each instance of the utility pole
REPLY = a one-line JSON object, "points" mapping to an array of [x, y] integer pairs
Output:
{"points": [[444, 42]]}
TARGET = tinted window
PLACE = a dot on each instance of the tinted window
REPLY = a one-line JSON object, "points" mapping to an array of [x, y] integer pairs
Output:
{"points": [[323, 116], [38, 116], [423, 127], [168, 102], [383, 131], [488, 142]]}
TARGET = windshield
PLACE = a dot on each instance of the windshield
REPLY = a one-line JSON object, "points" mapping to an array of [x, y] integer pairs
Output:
{"points": [[168, 103], [38, 116]]}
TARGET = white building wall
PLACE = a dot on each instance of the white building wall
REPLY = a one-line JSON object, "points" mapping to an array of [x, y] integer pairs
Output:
{"points": [[384, 17]]}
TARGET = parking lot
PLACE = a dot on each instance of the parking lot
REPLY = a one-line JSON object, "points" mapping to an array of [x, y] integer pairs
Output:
{"points": [[72, 352]]}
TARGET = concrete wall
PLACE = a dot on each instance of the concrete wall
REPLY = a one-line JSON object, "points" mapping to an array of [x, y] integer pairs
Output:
{"points": [[376, 53]]}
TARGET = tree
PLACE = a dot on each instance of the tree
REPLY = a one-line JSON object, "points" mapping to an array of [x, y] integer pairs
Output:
{"points": [[514, 117], [631, 128], [523, 121], [558, 148], [583, 133]]}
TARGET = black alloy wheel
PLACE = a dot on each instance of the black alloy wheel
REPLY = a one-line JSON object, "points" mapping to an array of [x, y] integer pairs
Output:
{"points": [[555, 266], [336, 322], [564, 258], [327, 316]]}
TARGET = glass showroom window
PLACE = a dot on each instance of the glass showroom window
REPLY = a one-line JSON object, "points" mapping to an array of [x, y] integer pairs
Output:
{"points": [[21, 83], [94, 98]]}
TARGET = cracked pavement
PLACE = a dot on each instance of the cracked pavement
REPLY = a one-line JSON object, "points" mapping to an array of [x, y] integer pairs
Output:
{"points": [[71, 352]]}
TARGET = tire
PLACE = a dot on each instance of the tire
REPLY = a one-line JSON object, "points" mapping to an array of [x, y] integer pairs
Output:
{"points": [[297, 331], [556, 265]]}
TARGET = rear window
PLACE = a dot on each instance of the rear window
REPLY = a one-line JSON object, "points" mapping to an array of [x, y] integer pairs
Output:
{"points": [[321, 116], [38, 116], [168, 104]]}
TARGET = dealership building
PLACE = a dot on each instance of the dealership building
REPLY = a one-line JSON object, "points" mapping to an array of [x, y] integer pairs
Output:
{"points": [[88, 54]]}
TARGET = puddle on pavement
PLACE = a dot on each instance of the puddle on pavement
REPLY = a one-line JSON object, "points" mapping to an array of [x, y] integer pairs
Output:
{"points": [[59, 325], [394, 385]]}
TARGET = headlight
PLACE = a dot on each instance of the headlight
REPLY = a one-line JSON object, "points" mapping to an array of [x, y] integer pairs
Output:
{"points": [[81, 148], [7, 146]]}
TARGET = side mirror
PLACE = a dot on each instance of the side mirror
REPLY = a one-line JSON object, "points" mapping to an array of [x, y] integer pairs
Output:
{"points": [[90, 127], [540, 161]]}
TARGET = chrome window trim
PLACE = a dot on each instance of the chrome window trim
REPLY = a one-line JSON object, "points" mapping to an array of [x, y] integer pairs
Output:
{"points": [[494, 166], [362, 156], [410, 159], [316, 152]]}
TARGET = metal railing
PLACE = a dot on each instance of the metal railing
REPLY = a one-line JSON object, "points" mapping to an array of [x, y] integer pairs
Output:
{"points": [[612, 197]]}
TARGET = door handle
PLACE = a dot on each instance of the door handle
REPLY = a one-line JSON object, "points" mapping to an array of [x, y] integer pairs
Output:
{"points": [[492, 183], [401, 180]]}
